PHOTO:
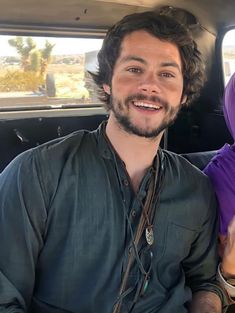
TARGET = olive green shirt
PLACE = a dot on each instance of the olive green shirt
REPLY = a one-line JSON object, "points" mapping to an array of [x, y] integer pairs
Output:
{"points": [[67, 216]]}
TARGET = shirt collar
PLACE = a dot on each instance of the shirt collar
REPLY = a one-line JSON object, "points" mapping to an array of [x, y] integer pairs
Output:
{"points": [[106, 149], [104, 145]]}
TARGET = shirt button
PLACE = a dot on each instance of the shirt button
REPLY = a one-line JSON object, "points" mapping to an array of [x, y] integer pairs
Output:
{"points": [[130, 250], [125, 182], [133, 213], [106, 153]]}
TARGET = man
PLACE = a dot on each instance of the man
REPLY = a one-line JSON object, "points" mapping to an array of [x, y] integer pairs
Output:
{"points": [[106, 221]]}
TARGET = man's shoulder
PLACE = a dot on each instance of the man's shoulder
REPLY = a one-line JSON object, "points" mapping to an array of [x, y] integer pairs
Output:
{"points": [[70, 141], [182, 179], [185, 174], [67, 146], [55, 153], [180, 163]]}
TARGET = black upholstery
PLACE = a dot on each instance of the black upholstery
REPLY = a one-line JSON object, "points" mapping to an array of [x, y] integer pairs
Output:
{"points": [[19, 135], [200, 159]]}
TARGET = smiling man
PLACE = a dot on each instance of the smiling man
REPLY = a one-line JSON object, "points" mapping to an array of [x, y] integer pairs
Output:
{"points": [[147, 85], [107, 221]]}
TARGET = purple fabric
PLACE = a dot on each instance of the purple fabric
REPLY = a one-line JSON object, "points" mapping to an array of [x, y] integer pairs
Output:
{"points": [[221, 169]]}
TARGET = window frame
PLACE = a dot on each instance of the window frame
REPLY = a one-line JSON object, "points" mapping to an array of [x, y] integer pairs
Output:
{"points": [[219, 45], [47, 32]]}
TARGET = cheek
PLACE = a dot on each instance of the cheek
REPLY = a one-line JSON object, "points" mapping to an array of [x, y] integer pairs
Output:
{"points": [[122, 86], [174, 90], [121, 81], [173, 85]]}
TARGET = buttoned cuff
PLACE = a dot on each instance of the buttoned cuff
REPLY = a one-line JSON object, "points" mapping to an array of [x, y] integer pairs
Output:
{"points": [[230, 288]]}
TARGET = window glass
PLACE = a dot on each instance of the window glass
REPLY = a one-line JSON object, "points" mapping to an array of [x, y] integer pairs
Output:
{"points": [[228, 52], [38, 72]]}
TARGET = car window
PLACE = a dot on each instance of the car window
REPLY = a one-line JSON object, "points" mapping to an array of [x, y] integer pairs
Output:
{"points": [[38, 72], [228, 54]]}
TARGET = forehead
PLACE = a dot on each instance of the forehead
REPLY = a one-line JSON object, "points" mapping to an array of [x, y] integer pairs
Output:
{"points": [[152, 49]]}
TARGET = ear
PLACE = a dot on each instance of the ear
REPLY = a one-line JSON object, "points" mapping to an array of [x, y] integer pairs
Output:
{"points": [[184, 99], [106, 88]]}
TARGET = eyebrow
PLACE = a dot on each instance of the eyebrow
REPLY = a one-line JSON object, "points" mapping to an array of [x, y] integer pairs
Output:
{"points": [[138, 59], [133, 58], [171, 64]]}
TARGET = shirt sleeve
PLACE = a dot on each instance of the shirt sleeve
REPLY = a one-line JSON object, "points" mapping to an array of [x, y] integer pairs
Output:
{"points": [[22, 220], [201, 264]]}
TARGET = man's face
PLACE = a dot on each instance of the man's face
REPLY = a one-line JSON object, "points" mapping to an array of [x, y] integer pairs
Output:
{"points": [[147, 84]]}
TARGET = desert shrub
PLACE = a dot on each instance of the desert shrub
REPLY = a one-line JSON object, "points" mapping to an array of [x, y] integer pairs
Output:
{"points": [[17, 80], [69, 85]]}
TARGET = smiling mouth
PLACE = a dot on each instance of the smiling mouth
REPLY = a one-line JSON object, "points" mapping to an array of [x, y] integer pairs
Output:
{"points": [[146, 105]]}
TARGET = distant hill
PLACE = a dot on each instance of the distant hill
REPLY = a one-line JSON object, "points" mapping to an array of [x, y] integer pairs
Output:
{"points": [[229, 52], [56, 59]]}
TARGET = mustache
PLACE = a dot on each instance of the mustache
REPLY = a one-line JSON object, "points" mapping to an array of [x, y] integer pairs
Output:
{"points": [[154, 99]]}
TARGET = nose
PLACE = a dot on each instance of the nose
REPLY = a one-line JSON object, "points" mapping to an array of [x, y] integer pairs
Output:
{"points": [[150, 84]]}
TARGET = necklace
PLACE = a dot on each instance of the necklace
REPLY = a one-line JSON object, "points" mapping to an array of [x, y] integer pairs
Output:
{"points": [[145, 226], [153, 196]]}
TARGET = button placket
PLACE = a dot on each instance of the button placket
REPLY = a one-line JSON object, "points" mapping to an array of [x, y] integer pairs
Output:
{"points": [[133, 213], [125, 182], [130, 250]]}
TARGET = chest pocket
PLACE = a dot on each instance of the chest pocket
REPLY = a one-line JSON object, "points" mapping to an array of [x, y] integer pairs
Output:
{"points": [[178, 242]]}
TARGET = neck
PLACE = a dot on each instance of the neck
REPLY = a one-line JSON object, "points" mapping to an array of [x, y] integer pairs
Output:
{"points": [[136, 152]]}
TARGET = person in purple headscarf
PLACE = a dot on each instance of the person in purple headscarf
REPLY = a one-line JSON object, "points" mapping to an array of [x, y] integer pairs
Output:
{"points": [[221, 171]]}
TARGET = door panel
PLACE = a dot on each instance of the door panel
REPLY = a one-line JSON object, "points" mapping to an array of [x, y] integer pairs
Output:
{"points": [[19, 135]]}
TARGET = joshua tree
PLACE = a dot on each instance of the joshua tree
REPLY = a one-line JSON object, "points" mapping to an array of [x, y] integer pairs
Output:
{"points": [[32, 59], [23, 49], [46, 56], [35, 60]]}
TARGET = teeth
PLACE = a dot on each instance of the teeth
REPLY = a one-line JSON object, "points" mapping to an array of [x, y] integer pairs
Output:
{"points": [[147, 105]]}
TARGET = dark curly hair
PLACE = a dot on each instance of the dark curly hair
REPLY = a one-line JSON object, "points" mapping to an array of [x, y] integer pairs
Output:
{"points": [[164, 28]]}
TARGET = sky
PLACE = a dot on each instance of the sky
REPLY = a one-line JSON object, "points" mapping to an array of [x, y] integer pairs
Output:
{"points": [[229, 38], [62, 45], [76, 45]]}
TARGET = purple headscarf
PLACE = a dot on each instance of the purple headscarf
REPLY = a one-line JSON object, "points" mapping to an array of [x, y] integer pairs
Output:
{"points": [[221, 169]]}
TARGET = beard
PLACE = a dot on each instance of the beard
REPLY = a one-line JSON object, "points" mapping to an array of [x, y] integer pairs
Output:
{"points": [[121, 109]]}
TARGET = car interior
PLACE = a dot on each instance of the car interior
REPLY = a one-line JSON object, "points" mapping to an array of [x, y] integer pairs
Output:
{"points": [[199, 130], [31, 117]]}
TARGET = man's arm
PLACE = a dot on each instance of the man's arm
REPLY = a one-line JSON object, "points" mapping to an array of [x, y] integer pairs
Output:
{"points": [[22, 219], [202, 262], [205, 302]]}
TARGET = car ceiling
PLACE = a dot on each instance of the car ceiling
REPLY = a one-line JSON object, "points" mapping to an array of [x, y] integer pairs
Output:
{"points": [[211, 14]]}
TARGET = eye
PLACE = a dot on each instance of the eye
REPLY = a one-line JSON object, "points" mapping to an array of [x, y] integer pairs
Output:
{"points": [[167, 75], [134, 70]]}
